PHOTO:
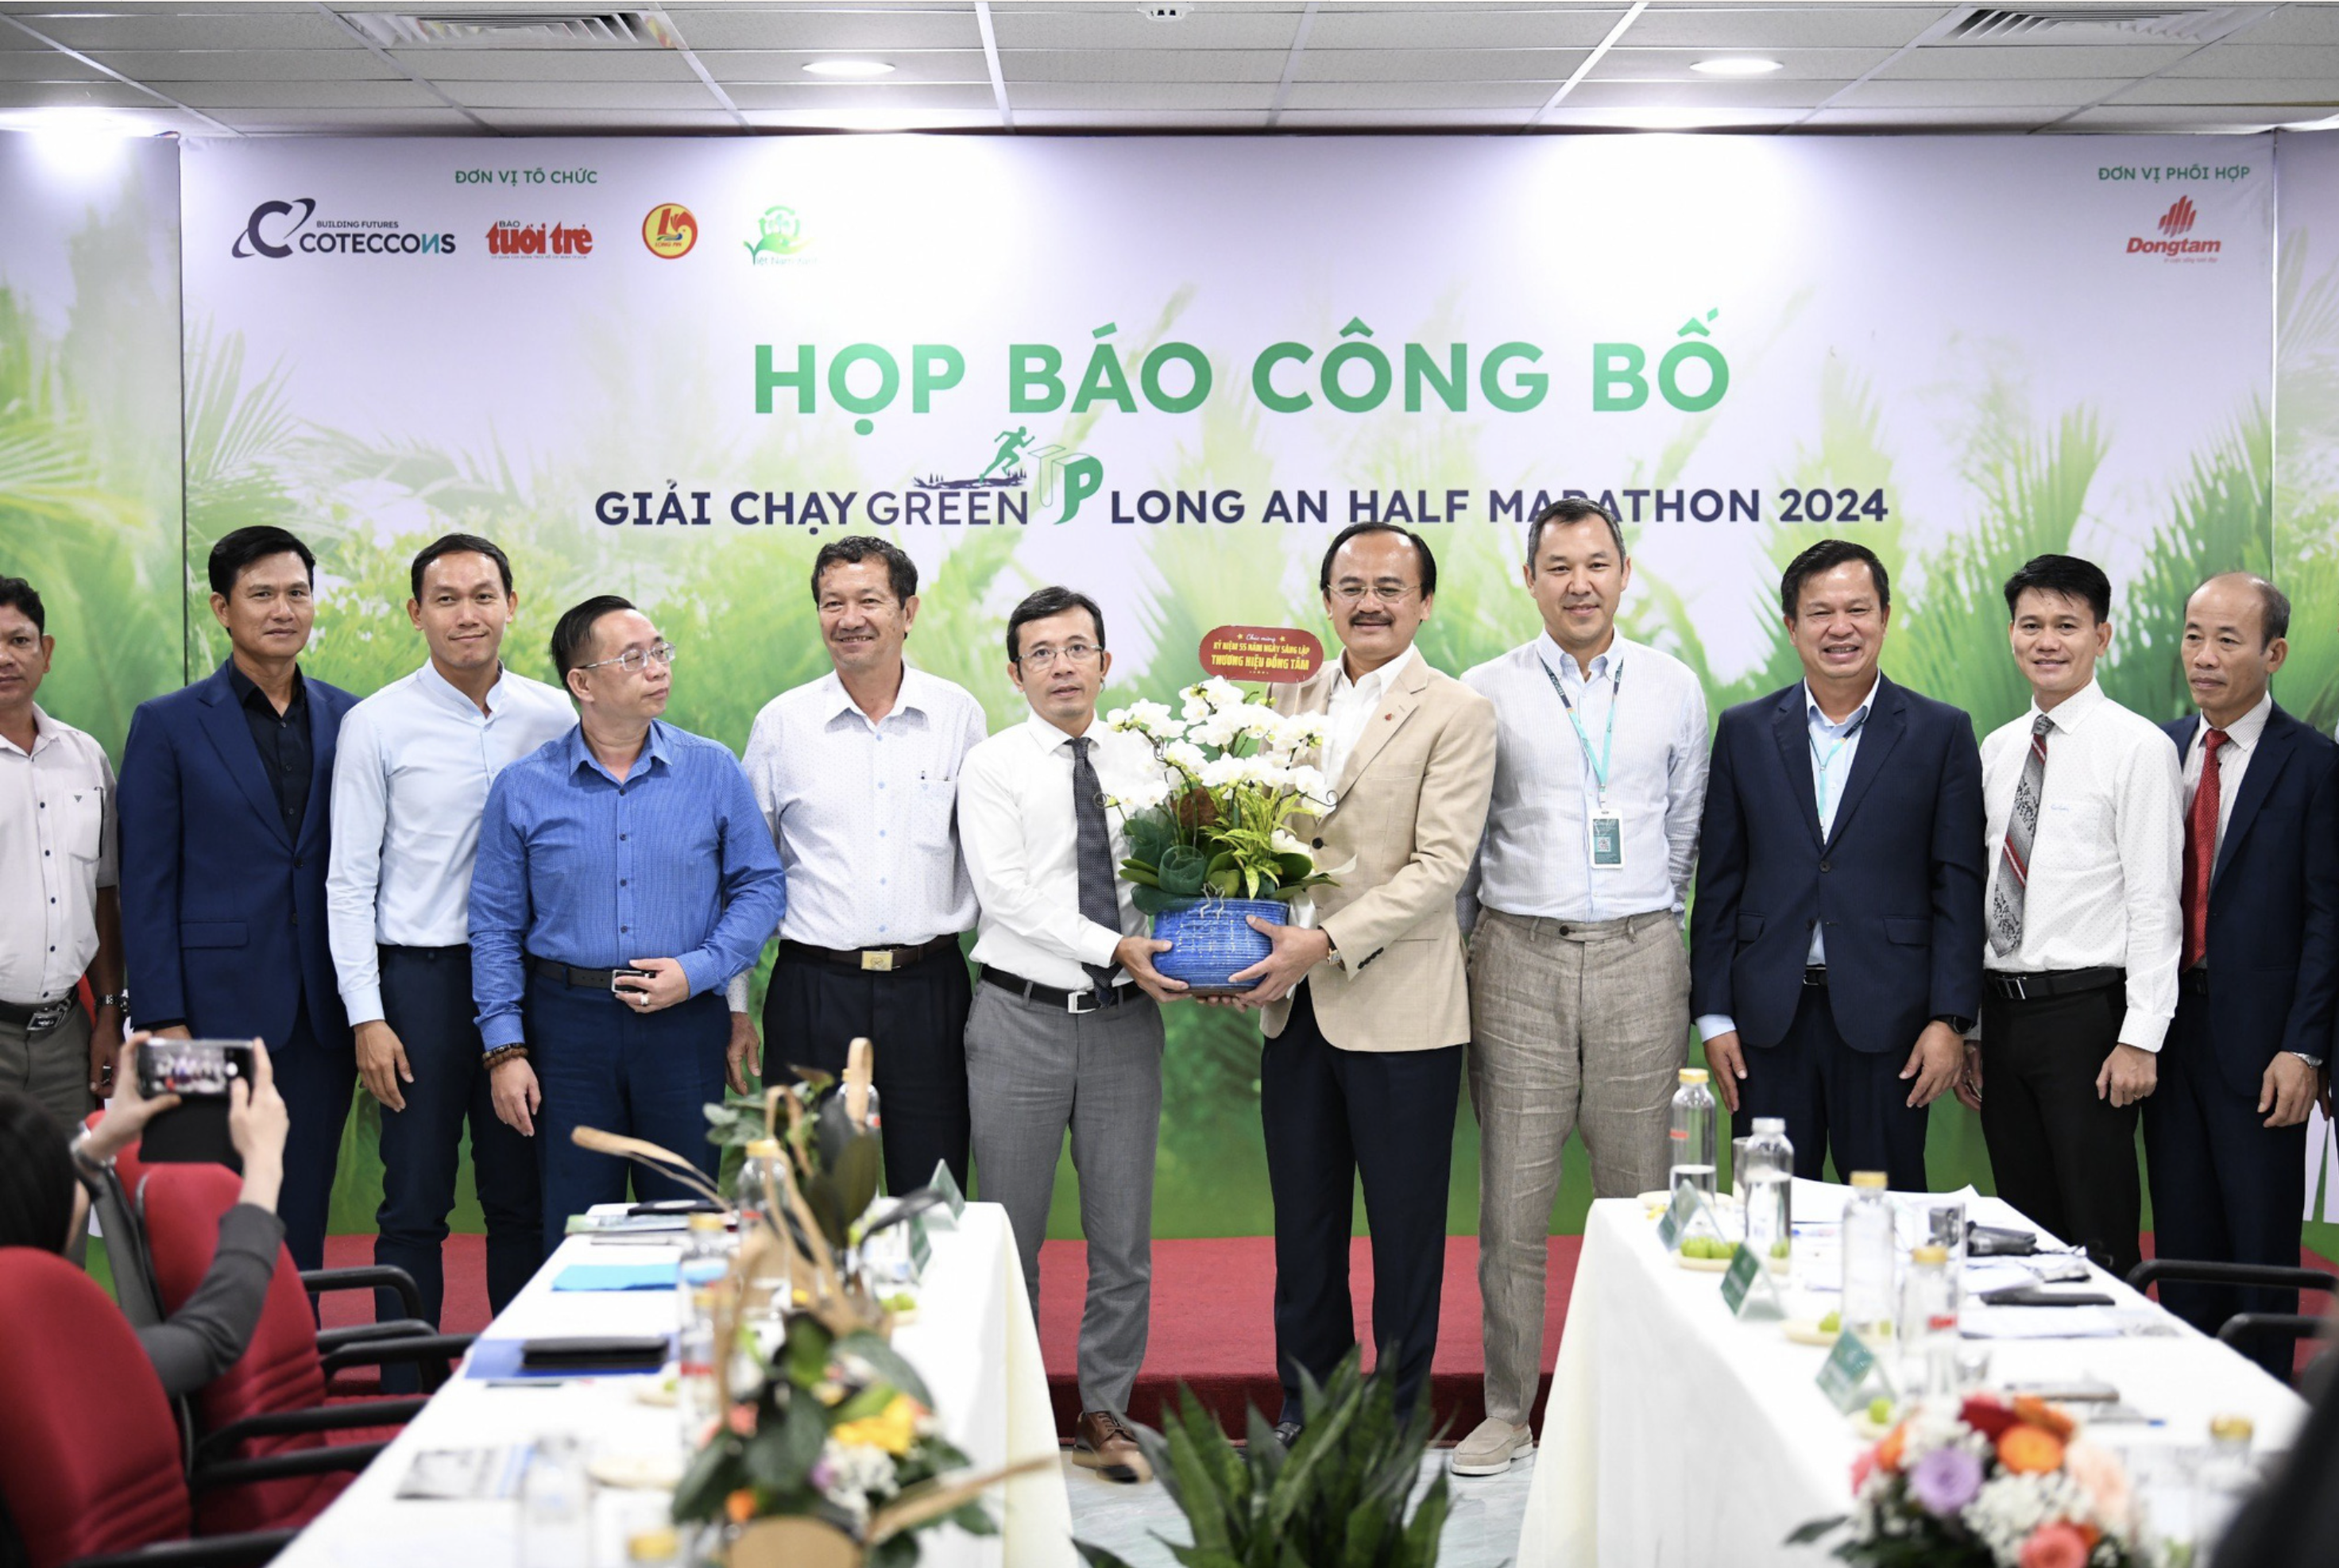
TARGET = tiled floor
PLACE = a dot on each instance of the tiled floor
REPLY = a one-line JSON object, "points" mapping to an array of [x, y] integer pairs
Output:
{"points": [[1482, 1528]]}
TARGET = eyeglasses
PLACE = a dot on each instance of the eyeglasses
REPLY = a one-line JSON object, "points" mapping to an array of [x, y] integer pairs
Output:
{"points": [[1386, 593], [1045, 657], [632, 660]]}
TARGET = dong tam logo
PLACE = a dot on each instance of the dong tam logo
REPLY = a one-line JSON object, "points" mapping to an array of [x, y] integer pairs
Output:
{"points": [[2174, 245], [2179, 219], [669, 231]]}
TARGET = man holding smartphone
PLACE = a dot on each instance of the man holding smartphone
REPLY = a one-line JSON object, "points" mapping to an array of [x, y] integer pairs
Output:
{"points": [[624, 875], [416, 761]]}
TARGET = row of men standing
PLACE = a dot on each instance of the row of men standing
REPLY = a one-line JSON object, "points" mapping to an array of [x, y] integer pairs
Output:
{"points": [[873, 823]]}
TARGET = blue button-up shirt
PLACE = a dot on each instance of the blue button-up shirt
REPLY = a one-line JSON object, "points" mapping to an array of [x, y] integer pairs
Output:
{"points": [[578, 867]]}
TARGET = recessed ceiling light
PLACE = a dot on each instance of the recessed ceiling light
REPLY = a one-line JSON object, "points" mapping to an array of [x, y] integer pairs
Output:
{"points": [[1736, 65], [849, 68]]}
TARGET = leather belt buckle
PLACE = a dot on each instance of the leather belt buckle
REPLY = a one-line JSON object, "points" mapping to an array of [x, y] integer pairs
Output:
{"points": [[47, 1017], [878, 960], [1094, 999]]}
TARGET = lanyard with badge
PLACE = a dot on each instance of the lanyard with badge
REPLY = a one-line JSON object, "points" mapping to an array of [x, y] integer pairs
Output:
{"points": [[1607, 826]]}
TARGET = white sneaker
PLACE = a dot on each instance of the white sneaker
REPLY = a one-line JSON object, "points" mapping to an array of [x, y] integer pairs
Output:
{"points": [[1489, 1450]]}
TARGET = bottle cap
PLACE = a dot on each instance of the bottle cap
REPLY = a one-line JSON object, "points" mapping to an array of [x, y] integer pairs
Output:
{"points": [[703, 1299], [1692, 1075], [1768, 1124], [763, 1148], [1867, 1180], [657, 1545], [2231, 1429], [1932, 1255], [707, 1222]]}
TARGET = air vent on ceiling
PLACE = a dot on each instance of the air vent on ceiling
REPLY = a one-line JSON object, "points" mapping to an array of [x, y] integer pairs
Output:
{"points": [[2096, 25], [1165, 11], [513, 29]]}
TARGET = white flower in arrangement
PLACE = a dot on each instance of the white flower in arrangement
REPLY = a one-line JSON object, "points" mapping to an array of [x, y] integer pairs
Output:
{"points": [[1220, 773], [1185, 756], [1144, 797], [1218, 730], [1308, 780], [1146, 718], [1297, 732], [1283, 841], [1222, 694], [1262, 723], [1268, 772], [856, 1473]]}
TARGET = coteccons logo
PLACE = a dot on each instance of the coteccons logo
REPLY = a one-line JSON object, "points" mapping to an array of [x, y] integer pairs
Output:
{"points": [[2175, 225], [276, 229]]}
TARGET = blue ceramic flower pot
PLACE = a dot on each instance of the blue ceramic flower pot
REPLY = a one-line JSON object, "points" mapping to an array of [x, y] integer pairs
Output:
{"points": [[1211, 939]]}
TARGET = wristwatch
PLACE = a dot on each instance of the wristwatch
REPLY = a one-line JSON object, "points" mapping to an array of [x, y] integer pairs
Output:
{"points": [[2313, 1061], [1960, 1024], [117, 1000]]}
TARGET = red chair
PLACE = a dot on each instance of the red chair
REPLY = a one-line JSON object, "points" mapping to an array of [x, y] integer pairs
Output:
{"points": [[89, 1454], [272, 1402]]}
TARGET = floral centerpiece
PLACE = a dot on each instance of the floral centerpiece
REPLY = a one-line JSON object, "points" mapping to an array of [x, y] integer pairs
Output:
{"points": [[1209, 844], [1984, 1483]]}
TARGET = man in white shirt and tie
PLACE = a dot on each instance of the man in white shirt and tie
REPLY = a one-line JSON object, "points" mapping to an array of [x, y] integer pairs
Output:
{"points": [[1063, 1028], [2082, 825], [1579, 978], [857, 775], [409, 783]]}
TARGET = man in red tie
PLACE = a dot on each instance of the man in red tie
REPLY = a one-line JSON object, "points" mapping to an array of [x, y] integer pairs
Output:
{"points": [[2226, 1136]]}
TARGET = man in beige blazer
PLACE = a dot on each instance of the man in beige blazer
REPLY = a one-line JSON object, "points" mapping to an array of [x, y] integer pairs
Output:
{"points": [[1367, 1010]]}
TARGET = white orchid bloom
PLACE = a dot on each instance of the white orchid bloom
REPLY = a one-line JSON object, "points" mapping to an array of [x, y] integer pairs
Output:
{"points": [[1283, 841], [1220, 773], [1185, 756]]}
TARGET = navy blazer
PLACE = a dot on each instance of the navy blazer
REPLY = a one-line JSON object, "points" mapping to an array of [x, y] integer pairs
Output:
{"points": [[1899, 884], [2274, 903], [222, 916]]}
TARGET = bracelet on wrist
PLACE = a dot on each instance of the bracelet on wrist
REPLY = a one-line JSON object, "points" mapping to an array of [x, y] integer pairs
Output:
{"points": [[502, 1054], [87, 1161]]}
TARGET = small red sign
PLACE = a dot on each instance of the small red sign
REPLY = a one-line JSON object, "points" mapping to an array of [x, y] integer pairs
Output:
{"points": [[1281, 655]]}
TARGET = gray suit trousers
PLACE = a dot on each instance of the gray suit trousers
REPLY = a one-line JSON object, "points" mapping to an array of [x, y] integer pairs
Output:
{"points": [[1032, 1071]]}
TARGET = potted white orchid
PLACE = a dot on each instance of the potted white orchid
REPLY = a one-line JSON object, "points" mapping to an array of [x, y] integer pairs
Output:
{"points": [[1209, 843]]}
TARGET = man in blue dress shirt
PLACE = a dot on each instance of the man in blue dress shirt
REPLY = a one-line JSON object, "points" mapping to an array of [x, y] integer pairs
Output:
{"points": [[626, 845]]}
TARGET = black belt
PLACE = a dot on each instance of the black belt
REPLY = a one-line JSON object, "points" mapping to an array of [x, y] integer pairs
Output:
{"points": [[1815, 974], [569, 974], [41, 1019], [2039, 987], [1050, 996], [869, 960]]}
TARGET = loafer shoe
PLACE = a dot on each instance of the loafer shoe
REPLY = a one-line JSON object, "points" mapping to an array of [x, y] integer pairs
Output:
{"points": [[1489, 1450]]}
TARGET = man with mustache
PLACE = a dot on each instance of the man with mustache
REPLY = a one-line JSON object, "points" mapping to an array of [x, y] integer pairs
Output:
{"points": [[2224, 1133], [1366, 1009], [857, 775], [1579, 978], [226, 828], [623, 876], [2080, 796], [1836, 939], [416, 761]]}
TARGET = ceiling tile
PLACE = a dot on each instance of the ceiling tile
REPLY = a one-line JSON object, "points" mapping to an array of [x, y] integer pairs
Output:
{"points": [[2198, 119], [2272, 91], [1127, 27], [2293, 25], [1124, 65], [855, 29], [1553, 65], [249, 64], [1981, 63], [1522, 96], [547, 64], [345, 122], [1401, 119], [1816, 26], [812, 94], [1766, 94], [1461, 25], [777, 67], [551, 122], [1946, 96], [581, 94], [1141, 95], [97, 94], [1568, 117], [1875, 119], [2252, 59], [45, 65], [1795, 64], [872, 120], [192, 27], [207, 96]]}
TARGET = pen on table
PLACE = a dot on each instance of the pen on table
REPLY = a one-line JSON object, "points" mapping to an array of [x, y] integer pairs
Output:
{"points": [[528, 1382]]}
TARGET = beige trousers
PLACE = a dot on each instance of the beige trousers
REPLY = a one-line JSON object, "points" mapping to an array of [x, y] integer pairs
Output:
{"points": [[1574, 1025]]}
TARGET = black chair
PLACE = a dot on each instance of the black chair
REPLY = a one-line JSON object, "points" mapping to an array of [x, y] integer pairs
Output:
{"points": [[2244, 1328]]}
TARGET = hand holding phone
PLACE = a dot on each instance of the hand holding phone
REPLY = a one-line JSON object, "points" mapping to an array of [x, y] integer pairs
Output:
{"points": [[197, 1076]]}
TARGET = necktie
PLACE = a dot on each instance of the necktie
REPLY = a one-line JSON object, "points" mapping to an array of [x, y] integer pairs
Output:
{"points": [[1092, 853], [2201, 852], [2014, 855]]}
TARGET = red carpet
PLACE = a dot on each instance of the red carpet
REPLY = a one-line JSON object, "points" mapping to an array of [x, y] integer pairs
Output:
{"points": [[1213, 1321]]}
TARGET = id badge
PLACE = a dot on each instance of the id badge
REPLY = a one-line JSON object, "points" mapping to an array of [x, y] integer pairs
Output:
{"points": [[1608, 840]]}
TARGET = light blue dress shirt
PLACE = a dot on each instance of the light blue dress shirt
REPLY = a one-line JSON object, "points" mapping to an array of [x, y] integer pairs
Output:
{"points": [[576, 866]]}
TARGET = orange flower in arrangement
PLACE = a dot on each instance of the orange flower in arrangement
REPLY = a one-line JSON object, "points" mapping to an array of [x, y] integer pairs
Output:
{"points": [[740, 1506], [2039, 1413], [1888, 1452], [2028, 1449], [742, 1420], [2057, 1545]]}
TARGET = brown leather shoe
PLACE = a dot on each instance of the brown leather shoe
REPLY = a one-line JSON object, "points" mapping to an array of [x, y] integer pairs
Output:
{"points": [[1102, 1444]]}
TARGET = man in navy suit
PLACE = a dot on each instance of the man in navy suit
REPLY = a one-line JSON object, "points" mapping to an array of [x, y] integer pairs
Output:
{"points": [[1835, 944], [2225, 1138], [225, 795]]}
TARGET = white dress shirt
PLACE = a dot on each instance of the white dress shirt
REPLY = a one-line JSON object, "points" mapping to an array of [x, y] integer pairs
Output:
{"points": [[2107, 860], [1535, 856], [1832, 748], [410, 776], [863, 813], [1015, 819], [1349, 707], [56, 850], [2233, 762]]}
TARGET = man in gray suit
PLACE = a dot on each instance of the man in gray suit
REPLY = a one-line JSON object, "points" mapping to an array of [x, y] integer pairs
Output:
{"points": [[1064, 1029]]}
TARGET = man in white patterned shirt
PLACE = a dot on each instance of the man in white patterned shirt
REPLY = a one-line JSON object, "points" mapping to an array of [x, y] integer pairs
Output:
{"points": [[2081, 921], [857, 775]]}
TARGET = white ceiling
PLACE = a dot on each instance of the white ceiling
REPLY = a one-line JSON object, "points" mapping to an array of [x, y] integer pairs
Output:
{"points": [[1082, 66]]}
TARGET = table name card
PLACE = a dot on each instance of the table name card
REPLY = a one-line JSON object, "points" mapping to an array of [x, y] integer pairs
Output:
{"points": [[1674, 1226], [1750, 1291], [1852, 1377], [944, 1216]]}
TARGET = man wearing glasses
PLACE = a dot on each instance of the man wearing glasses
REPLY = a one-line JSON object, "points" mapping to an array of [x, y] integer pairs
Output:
{"points": [[1367, 1008], [1064, 1029], [623, 876]]}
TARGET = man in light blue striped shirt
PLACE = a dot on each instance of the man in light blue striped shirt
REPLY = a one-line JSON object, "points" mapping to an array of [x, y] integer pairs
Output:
{"points": [[625, 874]]}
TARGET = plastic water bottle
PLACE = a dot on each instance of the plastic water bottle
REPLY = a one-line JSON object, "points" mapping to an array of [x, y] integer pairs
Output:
{"points": [[696, 1398], [1769, 1182], [555, 1505], [706, 1258], [1869, 1251], [1929, 1325], [1694, 1147], [2225, 1482], [772, 1288]]}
